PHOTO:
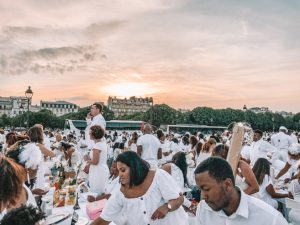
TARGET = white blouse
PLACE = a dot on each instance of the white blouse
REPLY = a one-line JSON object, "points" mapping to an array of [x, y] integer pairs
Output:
{"points": [[112, 185], [139, 210], [265, 196]]}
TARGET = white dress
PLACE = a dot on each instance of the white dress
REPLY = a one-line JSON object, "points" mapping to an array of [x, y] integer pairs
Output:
{"points": [[177, 175], [264, 195], [98, 174], [139, 210]]}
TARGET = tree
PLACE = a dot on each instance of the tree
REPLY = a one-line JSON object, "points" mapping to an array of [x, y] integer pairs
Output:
{"points": [[5, 121], [160, 114]]}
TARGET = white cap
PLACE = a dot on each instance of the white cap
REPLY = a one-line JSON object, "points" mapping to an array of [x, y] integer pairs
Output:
{"points": [[283, 128], [294, 149]]}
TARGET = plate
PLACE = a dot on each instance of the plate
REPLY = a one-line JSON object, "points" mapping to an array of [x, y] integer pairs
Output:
{"points": [[82, 221], [56, 218]]}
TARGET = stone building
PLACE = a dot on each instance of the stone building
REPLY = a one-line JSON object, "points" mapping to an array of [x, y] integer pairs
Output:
{"points": [[129, 106]]}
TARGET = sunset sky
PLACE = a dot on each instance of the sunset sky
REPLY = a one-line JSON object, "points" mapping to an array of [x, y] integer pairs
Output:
{"points": [[183, 53]]}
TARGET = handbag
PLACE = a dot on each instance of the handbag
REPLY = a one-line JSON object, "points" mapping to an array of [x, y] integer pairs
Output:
{"points": [[94, 209]]}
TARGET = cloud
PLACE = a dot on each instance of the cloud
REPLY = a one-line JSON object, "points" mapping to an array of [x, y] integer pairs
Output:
{"points": [[53, 60], [190, 52]]}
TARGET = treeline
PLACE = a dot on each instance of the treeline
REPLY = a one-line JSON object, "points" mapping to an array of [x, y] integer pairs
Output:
{"points": [[164, 114]]}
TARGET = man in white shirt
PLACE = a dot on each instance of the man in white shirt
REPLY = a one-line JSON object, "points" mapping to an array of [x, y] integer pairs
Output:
{"points": [[258, 149], [94, 117], [149, 147], [223, 203], [282, 142], [294, 138]]}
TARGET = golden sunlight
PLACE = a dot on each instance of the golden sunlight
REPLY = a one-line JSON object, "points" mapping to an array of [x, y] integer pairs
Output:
{"points": [[128, 89]]}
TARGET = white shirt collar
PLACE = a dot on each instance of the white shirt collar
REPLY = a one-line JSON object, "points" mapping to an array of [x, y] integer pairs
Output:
{"points": [[242, 210]]}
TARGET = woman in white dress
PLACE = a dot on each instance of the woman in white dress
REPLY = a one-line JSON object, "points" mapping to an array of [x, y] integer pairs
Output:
{"points": [[146, 196], [98, 171], [36, 136], [245, 178], [112, 185], [132, 142], [267, 193], [205, 150], [177, 168]]}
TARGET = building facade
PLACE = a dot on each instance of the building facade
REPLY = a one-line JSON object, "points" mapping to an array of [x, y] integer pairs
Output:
{"points": [[14, 105], [259, 109], [129, 106], [59, 108]]}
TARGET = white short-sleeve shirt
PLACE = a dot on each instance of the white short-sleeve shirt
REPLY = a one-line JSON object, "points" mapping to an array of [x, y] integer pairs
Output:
{"points": [[139, 210], [150, 145]]}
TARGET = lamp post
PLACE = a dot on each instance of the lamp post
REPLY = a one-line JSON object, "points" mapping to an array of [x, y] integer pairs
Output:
{"points": [[151, 114], [245, 110], [273, 119], [28, 94]]}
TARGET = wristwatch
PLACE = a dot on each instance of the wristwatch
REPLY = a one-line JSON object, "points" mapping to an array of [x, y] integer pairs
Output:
{"points": [[169, 206]]}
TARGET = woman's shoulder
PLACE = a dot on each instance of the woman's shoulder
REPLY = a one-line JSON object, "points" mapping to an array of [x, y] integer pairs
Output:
{"points": [[167, 167], [100, 144]]}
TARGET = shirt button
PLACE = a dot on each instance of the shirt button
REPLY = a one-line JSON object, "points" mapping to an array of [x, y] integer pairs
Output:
{"points": [[144, 212], [141, 198]]}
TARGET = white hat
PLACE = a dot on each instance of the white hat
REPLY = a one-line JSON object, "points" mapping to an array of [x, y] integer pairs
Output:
{"points": [[294, 149], [283, 128]]}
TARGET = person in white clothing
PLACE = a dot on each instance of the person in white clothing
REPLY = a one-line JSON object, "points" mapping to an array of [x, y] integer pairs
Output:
{"points": [[292, 162], [294, 192], [98, 170], [146, 196], [29, 157], [293, 137], [177, 168], [112, 185], [282, 142], [185, 145], [259, 148], [132, 142], [245, 179], [94, 117], [165, 147], [223, 203], [267, 193], [148, 147]]}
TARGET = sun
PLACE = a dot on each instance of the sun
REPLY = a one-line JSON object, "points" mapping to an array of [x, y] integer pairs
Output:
{"points": [[128, 89]]}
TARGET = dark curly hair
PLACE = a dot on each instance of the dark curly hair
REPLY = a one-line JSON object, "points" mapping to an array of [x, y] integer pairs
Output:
{"points": [[24, 215], [97, 132]]}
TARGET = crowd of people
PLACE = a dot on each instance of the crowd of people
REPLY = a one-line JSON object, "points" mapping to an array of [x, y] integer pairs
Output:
{"points": [[148, 176]]}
